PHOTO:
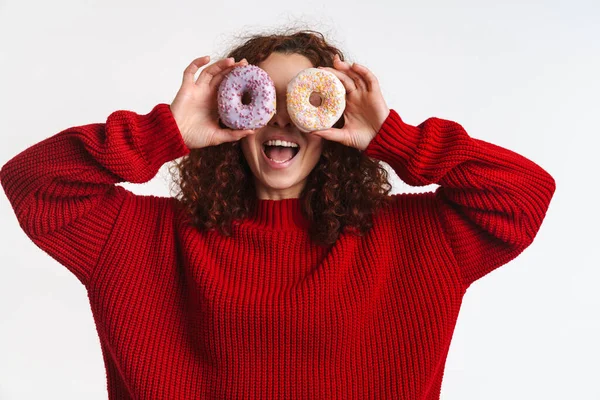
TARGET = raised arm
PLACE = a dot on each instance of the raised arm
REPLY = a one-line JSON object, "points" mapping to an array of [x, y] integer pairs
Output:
{"points": [[491, 200], [63, 190]]}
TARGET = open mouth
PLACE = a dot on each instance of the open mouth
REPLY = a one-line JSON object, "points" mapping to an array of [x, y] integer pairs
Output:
{"points": [[280, 154]]}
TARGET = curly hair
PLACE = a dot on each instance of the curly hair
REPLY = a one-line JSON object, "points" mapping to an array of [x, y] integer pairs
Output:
{"points": [[342, 191]]}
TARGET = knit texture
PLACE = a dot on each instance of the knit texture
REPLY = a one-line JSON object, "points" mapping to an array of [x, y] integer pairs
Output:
{"points": [[267, 314]]}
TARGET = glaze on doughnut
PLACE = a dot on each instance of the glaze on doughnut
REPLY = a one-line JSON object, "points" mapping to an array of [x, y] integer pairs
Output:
{"points": [[257, 83], [306, 116]]}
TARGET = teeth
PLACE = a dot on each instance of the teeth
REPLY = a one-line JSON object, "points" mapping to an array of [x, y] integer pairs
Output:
{"points": [[280, 143]]}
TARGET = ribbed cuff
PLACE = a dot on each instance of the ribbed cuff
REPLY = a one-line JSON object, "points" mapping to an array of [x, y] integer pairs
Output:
{"points": [[159, 137], [395, 143]]}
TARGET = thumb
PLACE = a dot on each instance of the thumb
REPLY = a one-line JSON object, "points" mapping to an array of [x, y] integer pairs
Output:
{"points": [[232, 135], [333, 134]]}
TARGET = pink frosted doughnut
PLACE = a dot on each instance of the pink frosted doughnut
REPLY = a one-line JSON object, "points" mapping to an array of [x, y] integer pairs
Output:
{"points": [[333, 94], [257, 83]]}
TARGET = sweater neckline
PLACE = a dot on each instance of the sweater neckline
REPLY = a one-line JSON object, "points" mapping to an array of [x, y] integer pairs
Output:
{"points": [[283, 214]]}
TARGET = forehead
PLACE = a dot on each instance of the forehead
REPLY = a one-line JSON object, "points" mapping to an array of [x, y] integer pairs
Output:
{"points": [[283, 67]]}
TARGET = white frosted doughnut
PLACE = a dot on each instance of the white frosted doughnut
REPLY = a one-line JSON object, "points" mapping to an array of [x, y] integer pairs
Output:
{"points": [[333, 94], [257, 83]]}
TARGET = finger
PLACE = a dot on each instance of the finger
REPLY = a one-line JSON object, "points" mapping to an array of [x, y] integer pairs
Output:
{"points": [[333, 134], [209, 72], [216, 80], [367, 75], [190, 71], [348, 82], [232, 135], [345, 67]]}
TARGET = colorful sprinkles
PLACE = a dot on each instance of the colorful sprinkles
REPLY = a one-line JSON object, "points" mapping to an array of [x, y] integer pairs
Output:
{"points": [[306, 116], [256, 82]]}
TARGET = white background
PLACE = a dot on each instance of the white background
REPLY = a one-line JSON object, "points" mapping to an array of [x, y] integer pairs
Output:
{"points": [[520, 74]]}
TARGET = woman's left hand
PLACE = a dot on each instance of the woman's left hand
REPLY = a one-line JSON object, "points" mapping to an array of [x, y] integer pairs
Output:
{"points": [[365, 111]]}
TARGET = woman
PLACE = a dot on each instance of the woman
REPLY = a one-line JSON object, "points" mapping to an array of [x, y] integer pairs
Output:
{"points": [[307, 282]]}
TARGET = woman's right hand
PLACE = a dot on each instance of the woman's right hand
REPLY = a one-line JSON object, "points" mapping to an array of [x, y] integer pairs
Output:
{"points": [[195, 105]]}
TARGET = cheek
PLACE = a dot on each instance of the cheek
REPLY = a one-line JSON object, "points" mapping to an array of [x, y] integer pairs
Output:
{"points": [[244, 145], [246, 151], [248, 145], [313, 155], [316, 145], [312, 140]]}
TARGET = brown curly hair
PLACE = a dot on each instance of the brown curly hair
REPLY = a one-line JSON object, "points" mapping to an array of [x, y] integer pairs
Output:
{"points": [[343, 190]]}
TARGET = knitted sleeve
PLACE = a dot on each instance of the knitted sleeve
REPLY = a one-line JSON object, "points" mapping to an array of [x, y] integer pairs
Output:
{"points": [[491, 201], [63, 190]]}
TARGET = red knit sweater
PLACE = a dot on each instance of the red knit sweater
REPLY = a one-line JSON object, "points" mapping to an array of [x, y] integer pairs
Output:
{"points": [[266, 314]]}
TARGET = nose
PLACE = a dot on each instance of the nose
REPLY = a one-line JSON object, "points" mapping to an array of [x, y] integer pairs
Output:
{"points": [[281, 119]]}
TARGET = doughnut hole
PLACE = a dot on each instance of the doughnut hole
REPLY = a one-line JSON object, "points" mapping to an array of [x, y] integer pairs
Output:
{"points": [[246, 98], [315, 99]]}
